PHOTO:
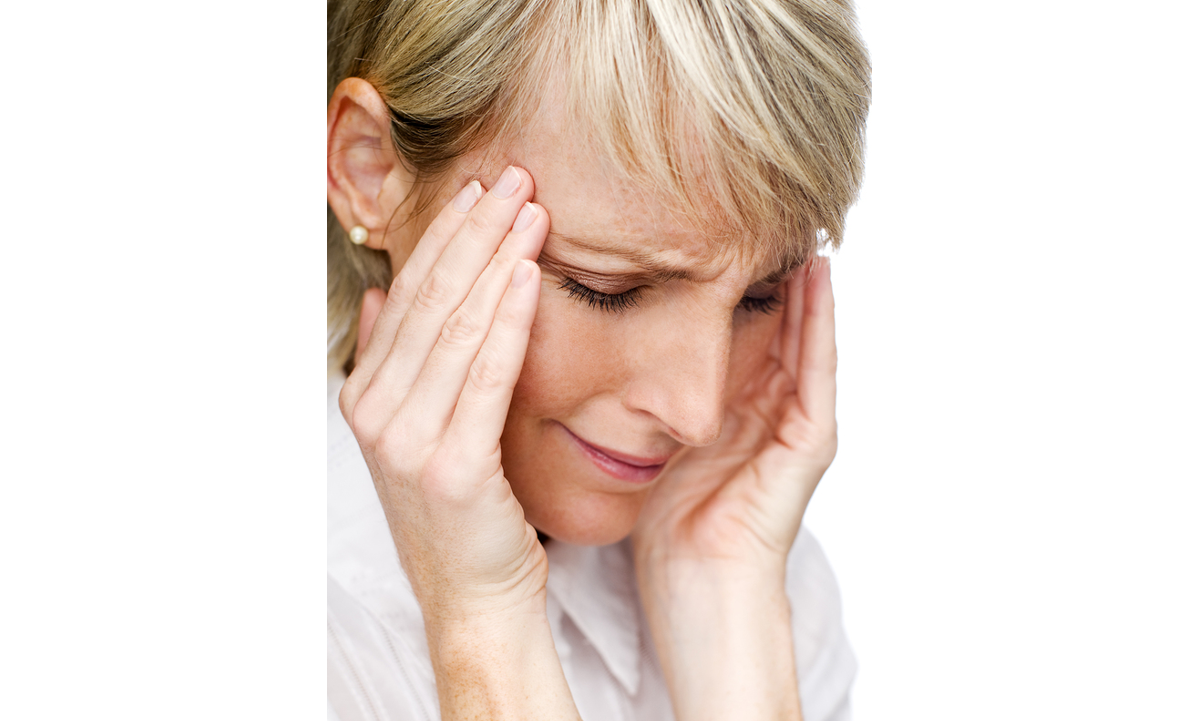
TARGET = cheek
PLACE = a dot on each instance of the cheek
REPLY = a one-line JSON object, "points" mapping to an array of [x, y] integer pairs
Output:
{"points": [[570, 362], [750, 349], [573, 356]]}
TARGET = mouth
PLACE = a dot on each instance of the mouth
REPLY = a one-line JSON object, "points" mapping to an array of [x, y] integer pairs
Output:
{"points": [[621, 465]]}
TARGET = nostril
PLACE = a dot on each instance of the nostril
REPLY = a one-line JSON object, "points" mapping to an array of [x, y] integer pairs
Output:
{"points": [[699, 433]]}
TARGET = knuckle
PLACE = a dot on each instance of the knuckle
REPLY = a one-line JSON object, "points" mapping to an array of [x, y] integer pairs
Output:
{"points": [[362, 424], [399, 284], [487, 374], [345, 400], [371, 421], [396, 448], [390, 451], [461, 329], [479, 223], [399, 281], [436, 292], [441, 478]]}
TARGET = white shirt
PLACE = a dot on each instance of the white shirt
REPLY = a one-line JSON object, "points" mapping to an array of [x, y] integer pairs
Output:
{"points": [[379, 668]]}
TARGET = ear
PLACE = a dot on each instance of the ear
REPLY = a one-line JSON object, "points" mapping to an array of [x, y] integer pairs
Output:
{"points": [[367, 182]]}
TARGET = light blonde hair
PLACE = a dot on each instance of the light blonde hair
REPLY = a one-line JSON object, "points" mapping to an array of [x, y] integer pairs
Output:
{"points": [[747, 112]]}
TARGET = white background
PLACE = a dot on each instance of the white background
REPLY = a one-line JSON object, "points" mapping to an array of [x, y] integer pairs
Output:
{"points": [[1011, 514]]}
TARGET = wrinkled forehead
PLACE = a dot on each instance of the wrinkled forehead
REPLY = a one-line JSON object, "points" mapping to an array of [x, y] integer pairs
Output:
{"points": [[725, 124], [594, 194]]}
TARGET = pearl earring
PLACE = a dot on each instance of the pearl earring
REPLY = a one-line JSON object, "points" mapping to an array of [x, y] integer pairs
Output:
{"points": [[358, 235]]}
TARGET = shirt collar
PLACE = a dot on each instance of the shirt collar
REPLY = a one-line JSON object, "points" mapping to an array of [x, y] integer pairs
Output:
{"points": [[596, 589]]}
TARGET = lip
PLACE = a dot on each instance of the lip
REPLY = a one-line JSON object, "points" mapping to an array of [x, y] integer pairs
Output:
{"points": [[621, 465]]}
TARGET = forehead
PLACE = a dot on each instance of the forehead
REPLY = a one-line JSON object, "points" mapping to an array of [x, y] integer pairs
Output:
{"points": [[591, 198], [588, 198]]}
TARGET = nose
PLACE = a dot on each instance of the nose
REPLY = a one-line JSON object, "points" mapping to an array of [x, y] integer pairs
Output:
{"points": [[680, 374]]}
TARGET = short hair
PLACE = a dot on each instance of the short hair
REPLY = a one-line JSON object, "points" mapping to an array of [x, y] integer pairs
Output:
{"points": [[751, 112]]}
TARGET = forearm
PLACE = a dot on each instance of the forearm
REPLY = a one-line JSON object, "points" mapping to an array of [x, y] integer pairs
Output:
{"points": [[499, 666], [725, 644]]}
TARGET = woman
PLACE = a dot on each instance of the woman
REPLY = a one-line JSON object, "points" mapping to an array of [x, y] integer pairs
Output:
{"points": [[598, 391]]}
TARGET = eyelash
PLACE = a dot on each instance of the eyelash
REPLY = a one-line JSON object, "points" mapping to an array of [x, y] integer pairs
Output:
{"points": [[610, 302], [620, 302], [766, 305]]}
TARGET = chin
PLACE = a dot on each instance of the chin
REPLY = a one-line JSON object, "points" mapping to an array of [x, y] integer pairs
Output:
{"points": [[584, 519], [562, 493]]}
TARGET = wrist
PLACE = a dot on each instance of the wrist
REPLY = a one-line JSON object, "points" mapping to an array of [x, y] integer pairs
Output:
{"points": [[716, 602], [681, 578], [724, 640], [453, 624], [471, 603], [498, 663]]}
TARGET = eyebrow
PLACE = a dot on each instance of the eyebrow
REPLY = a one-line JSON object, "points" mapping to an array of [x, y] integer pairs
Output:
{"points": [[654, 269], [778, 276], [662, 272]]}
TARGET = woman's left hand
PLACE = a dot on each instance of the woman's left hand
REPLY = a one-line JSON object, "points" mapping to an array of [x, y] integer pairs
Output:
{"points": [[741, 500], [711, 543]]}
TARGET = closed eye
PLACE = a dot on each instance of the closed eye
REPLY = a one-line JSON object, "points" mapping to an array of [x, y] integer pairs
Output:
{"points": [[767, 305], [620, 302], [611, 302]]}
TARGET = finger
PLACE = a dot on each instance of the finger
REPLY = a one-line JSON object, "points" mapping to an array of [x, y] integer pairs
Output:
{"points": [[372, 303], [793, 320], [817, 378], [436, 391], [442, 291], [482, 408], [434, 241]]}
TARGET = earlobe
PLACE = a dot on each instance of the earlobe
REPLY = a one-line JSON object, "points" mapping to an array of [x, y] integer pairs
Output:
{"points": [[366, 181]]}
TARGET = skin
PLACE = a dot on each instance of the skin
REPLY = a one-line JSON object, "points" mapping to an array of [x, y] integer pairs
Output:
{"points": [[477, 372]]}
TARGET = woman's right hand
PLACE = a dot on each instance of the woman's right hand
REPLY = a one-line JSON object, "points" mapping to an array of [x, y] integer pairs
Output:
{"points": [[427, 401], [429, 395]]}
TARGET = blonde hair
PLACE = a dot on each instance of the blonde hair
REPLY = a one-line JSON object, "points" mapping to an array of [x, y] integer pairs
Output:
{"points": [[748, 114]]}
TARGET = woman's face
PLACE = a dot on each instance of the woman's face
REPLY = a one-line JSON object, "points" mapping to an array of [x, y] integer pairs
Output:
{"points": [[646, 330]]}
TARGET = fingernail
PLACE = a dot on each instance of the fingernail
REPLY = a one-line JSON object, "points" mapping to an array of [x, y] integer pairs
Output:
{"points": [[508, 183], [522, 273], [468, 196], [527, 215]]}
